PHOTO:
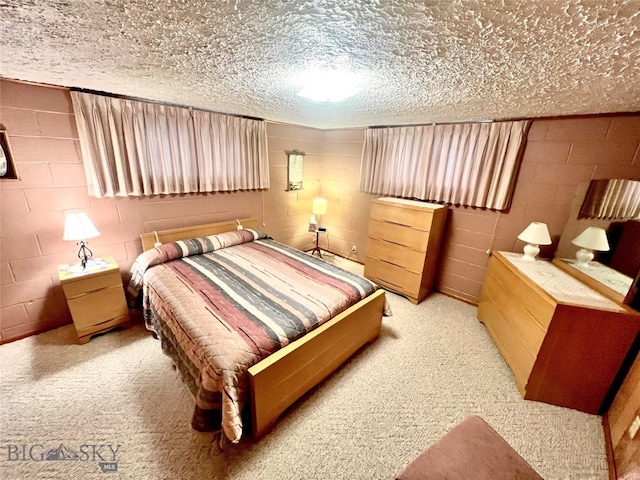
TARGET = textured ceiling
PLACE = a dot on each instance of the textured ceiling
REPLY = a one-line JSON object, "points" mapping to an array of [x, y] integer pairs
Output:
{"points": [[421, 61]]}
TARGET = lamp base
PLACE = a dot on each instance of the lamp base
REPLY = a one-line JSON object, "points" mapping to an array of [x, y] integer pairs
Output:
{"points": [[530, 252], [583, 257], [84, 254], [92, 263]]}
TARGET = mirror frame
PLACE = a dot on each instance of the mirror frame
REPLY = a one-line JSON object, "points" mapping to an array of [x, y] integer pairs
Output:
{"points": [[295, 170]]}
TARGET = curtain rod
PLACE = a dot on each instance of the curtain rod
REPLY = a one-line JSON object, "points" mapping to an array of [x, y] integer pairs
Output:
{"points": [[517, 119], [436, 123], [158, 102]]}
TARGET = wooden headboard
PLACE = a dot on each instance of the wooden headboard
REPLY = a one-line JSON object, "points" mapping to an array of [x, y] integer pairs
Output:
{"points": [[196, 231]]}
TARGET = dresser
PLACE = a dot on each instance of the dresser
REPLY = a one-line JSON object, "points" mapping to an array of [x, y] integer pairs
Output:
{"points": [[95, 296], [564, 341], [403, 245]]}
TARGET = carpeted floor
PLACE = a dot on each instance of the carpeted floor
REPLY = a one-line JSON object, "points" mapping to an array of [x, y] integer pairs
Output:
{"points": [[431, 367]]}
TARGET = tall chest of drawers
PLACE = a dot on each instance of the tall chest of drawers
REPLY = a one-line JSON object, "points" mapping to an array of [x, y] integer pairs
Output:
{"points": [[403, 245]]}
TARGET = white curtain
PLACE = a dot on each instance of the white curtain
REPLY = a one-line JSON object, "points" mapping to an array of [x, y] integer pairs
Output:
{"points": [[140, 148], [226, 148], [471, 164]]}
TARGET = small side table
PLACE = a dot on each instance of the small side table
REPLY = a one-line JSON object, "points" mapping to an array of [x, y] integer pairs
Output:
{"points": [[318, 231], [95, 296]]}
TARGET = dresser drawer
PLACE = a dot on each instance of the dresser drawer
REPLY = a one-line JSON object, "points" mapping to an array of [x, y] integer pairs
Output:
{"points": [[416, 239], [393, 277], [519, 321], [509, 344], [85, 285], [396, 254], [411, 217], [524, 298], [97, 307]]}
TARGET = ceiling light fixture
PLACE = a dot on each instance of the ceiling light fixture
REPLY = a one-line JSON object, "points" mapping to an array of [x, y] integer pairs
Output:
{"points": [[330, 86]]}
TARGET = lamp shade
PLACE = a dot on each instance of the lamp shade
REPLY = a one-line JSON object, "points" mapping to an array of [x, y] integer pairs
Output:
{"points": [[592, 238], [536, 233], [78, 226], [319, 206]]}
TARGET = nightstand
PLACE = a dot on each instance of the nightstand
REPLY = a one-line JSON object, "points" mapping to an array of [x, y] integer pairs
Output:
{"points": [[95, 297]]}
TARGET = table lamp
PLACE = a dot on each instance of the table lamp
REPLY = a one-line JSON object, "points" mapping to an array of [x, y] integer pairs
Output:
{"points": [[592, 238], [78, 228], [534, 235]]}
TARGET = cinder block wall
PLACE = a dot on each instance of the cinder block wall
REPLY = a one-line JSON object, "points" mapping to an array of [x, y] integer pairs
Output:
{"points": [[44, 141], [560, 153]]}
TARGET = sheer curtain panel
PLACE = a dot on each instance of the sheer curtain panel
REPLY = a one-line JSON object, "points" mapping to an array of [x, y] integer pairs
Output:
{"points": [[470, 164], [227, 148], [611, 199], [140, 148]]}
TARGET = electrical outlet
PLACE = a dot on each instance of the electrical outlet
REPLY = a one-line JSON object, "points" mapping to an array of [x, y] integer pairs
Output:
{"points": [[354, 249]]}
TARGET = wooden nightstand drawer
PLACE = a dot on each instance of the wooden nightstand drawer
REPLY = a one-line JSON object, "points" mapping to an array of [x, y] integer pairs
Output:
{"points": [[98, 307], [417, 219], [401, 235], [396, 278], [396, 254], [86, 285]]}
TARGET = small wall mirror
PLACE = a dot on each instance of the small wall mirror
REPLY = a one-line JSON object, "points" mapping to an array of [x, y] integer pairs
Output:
{"points": [[295, 169]]}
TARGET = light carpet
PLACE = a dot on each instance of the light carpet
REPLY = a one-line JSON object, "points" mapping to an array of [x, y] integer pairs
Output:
{"points": [[432, 366]]}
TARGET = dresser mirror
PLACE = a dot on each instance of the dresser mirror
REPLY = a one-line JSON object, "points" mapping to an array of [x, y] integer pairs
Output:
{"points": [[614, 206]]}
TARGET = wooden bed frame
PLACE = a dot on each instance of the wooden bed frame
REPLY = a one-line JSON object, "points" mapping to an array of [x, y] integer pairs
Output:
{"points": [[280, 379]]}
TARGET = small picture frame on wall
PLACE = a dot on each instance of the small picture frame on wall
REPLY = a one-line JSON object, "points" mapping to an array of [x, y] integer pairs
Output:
{"points": [[7, 165]]}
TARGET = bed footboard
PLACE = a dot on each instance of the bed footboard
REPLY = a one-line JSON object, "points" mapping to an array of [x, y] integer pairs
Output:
{"points": [[283, 377]]}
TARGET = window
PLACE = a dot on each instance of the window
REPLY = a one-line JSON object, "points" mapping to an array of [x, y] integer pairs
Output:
{"points": [[471, 164], [141, 148]]}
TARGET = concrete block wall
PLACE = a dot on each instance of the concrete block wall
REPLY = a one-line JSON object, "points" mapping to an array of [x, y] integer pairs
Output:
{"points": [[347, 219], [287, 212], [560, 153], [43, 137]]}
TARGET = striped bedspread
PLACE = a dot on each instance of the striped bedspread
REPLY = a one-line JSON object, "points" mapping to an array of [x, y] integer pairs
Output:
{"points": [[220, 304]]}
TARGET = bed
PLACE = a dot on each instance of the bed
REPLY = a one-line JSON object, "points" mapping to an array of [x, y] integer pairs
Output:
{"points": [[249, 322]]}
